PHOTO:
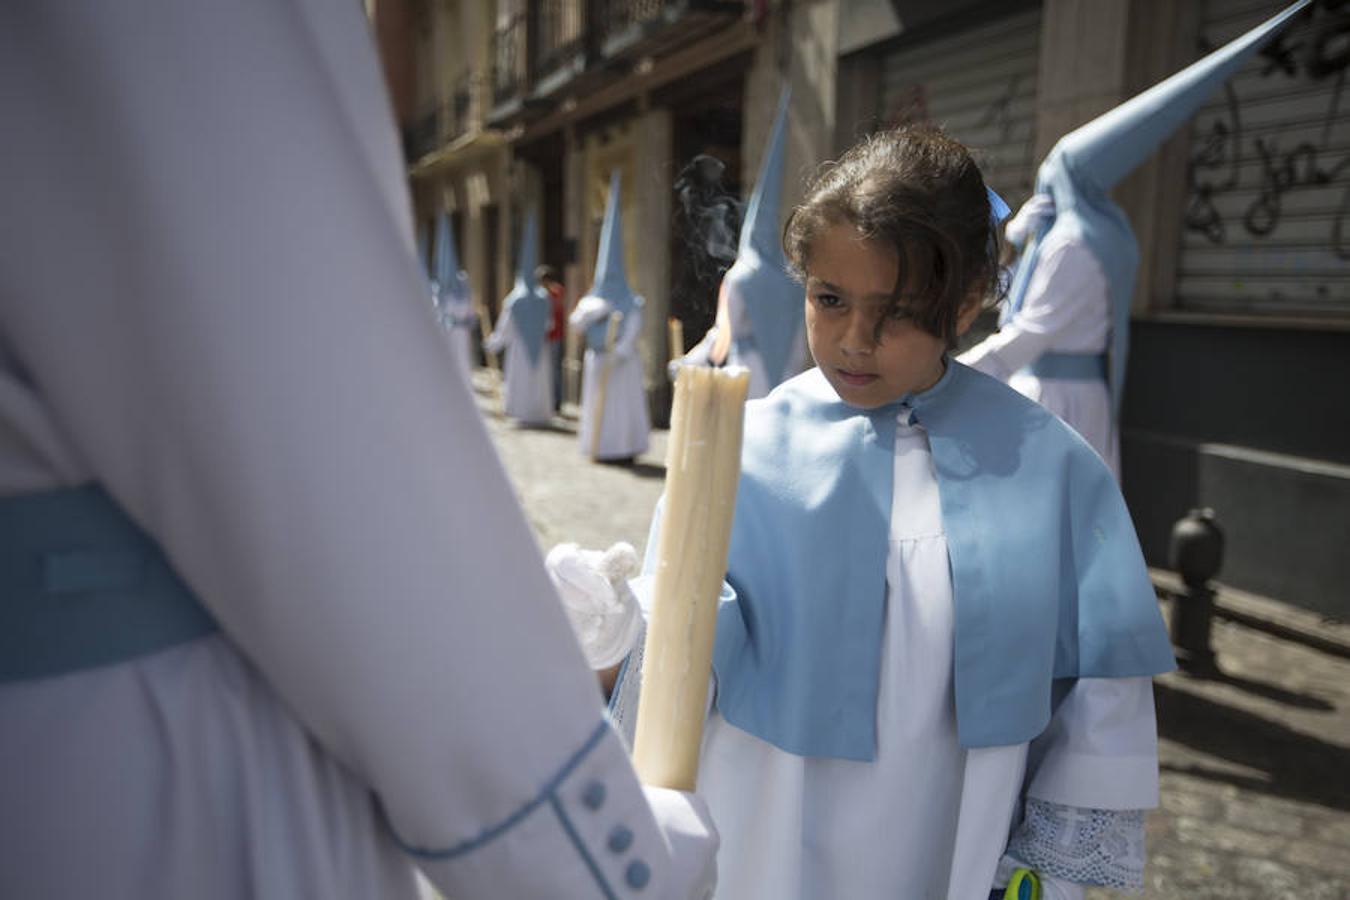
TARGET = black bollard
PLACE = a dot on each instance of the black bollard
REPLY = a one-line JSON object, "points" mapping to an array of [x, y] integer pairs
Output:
{"points": [[1196, 553]]}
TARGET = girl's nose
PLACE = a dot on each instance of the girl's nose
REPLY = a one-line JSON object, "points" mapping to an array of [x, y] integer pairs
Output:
{"points": [[859, 335]]}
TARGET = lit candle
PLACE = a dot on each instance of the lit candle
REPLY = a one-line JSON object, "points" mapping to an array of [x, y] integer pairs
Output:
{"points": [[703, 466]]}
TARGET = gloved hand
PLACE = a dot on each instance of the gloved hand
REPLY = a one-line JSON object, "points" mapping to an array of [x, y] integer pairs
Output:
{"points": [[599, 604], [1029, 218], [687, 825]]}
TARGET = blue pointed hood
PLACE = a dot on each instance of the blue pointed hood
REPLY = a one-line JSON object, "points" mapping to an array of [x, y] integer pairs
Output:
{"points": [[528, 301], [1086, 163], [452, 283], [611, 282], [759, 278]]}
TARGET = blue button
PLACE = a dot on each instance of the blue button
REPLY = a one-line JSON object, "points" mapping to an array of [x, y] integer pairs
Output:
{"points": [[637, 875], [620, 838], [594, 795]]}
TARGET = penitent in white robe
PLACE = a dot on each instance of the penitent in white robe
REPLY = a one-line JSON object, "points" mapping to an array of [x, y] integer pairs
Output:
{"points": [[527, 384], [927, 818], [1066, 310], [299, 450], [625, 426]]}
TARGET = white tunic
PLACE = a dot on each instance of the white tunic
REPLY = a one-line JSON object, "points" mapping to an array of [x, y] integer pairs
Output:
{"points": [[457, 318], [198, 217], [625, 426], [527, 385], [1066, 310], [926, 818]]}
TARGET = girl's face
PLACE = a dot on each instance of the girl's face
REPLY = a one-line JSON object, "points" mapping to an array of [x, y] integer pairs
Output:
{"points": [[849, 285]]}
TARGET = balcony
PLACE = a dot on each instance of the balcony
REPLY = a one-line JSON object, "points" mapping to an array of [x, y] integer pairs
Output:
{"points": [[574, 45], [634, 28], [445, 123]]}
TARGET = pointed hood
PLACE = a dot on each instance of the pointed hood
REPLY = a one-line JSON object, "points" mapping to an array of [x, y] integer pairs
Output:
{"points": [[528, 302], [452, 283], [1086, 163], [759, 279], [611, 282]]}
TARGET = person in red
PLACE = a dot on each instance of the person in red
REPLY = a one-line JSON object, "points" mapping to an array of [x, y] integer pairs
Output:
{"points": [[548, 277]]}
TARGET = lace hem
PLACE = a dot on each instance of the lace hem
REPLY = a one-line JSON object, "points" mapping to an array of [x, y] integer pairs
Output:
{"points": [[1087, 846]]}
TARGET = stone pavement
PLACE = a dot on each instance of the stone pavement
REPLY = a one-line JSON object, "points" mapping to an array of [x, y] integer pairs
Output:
{"points": [[1255, 762]]}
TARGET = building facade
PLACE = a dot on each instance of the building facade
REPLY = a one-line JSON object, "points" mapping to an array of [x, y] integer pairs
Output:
{"points": [[1240, 339]]}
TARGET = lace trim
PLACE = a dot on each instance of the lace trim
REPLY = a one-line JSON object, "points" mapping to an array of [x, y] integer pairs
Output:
{"points": [[1087, 846], [623, 702]]}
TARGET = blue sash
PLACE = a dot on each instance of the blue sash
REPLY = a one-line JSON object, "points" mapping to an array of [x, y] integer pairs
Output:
{"points": [[1069, 366], [81, 585]]}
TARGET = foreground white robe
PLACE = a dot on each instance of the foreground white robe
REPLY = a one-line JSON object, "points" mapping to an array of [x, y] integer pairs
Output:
{"points": [[1066, 310], [625, 426], [224, 189], [527, 384], [927, 818]]}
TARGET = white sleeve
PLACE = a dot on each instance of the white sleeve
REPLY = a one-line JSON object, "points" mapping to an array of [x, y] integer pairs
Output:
{"points": [[208, 273], [1058, 295], [501, 335], [1100, 750]]}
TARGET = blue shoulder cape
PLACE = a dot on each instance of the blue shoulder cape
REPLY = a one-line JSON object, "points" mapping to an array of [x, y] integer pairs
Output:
{"points": [[1047, 576]]}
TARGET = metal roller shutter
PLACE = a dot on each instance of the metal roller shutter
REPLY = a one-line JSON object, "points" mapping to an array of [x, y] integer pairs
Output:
{"points": [[980, 85], [1266, 228]]}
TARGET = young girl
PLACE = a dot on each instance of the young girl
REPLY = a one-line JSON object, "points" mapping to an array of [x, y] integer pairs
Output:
{"points": [[933, 676]]}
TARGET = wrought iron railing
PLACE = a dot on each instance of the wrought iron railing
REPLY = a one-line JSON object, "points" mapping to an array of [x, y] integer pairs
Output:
{"points": [[509, 69], [560, 34]]}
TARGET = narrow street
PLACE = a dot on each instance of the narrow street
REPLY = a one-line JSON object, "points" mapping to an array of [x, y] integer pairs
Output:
{"points": [[1255, 762]]}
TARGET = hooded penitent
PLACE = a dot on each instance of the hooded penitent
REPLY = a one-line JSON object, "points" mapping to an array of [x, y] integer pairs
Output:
{"points": [[1086, 163], [528, 302], [451, 282], [611, 283], [759, 278]]}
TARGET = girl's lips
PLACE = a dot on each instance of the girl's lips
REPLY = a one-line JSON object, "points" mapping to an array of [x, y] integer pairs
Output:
{"points": [[854, 378]]}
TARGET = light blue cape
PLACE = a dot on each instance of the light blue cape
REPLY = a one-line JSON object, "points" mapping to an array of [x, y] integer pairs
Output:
{"points": [[528, 302], [1047, 577], [611, 283], [452, 283]]}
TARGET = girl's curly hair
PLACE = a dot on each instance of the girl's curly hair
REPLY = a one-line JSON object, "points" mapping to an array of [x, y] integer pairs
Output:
{"points": [[918, 190]]}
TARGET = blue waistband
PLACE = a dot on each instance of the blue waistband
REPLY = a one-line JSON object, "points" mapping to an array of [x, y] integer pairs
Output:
{"points": [[1069, 366], [81, 585]]}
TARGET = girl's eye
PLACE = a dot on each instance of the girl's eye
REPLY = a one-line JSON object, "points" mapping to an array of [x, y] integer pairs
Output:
{"points": [[827, 300]]}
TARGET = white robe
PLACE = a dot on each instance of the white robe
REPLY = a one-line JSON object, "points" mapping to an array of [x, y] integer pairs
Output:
{"points": [[1066, 310], [927, 818], [625, 426], [527, 385], [457, 319], [197, 216]]}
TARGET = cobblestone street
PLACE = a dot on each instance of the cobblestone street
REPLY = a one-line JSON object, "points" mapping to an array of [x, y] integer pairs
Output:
{"points": [[1255, 761]]}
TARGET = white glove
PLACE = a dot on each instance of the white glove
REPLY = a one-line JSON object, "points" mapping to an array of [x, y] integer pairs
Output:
{"points": [[693, 838], [601, 607], [1029, 218]]}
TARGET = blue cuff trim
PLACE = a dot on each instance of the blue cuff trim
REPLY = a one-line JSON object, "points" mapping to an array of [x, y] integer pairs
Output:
{"points": [[545, 795], [581, 848]]}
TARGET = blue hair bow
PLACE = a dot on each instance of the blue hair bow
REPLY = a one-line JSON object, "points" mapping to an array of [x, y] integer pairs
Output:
{"points": [[998, 210]]}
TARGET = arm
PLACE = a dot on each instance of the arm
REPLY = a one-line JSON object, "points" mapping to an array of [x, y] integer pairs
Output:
{"points": [[1093, 773], [500, 337], [254, 381], [1066, 287]]}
